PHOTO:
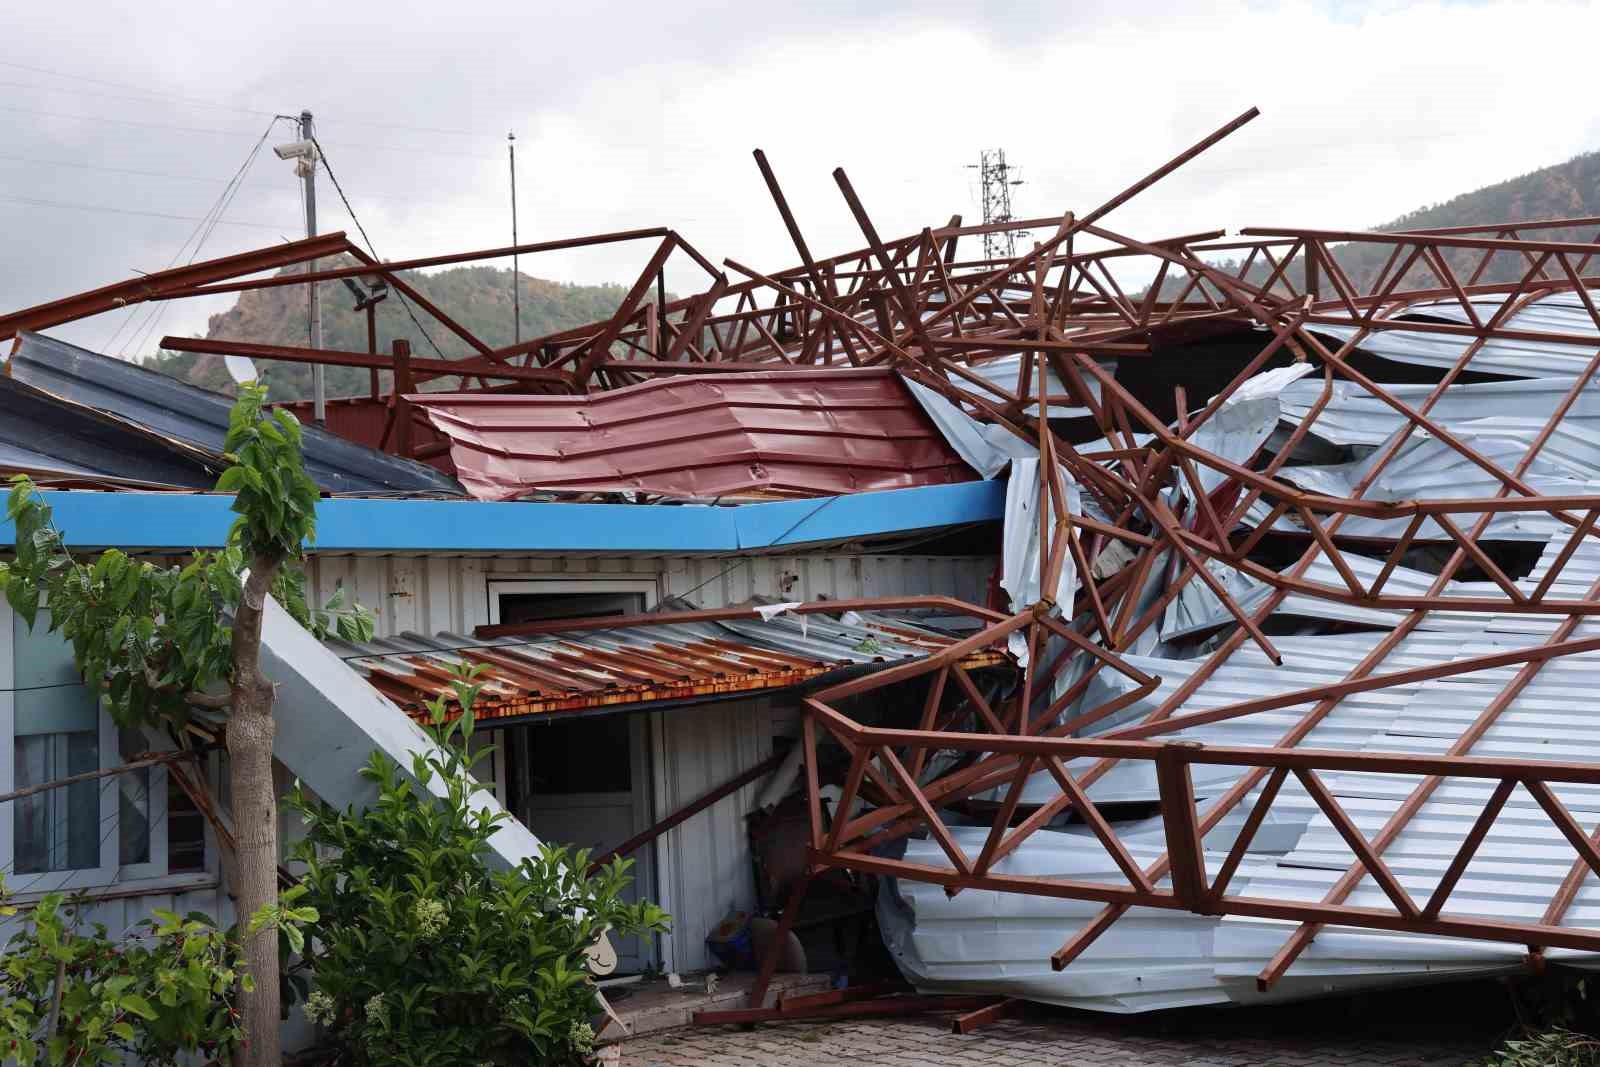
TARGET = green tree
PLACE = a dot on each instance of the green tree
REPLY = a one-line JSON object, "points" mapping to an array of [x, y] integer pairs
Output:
{"points": [[165, 644]]}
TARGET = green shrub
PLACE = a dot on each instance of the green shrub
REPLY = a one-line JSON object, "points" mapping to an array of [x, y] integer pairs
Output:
{"points": [[423, 955], [1556, 1047], [170, 989]]}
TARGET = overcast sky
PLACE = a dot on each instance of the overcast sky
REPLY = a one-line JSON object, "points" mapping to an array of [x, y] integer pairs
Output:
{"points": [[644, 114]]}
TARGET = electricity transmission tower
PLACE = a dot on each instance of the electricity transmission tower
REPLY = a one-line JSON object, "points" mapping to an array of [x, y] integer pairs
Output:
{"points": [[995, 174]]}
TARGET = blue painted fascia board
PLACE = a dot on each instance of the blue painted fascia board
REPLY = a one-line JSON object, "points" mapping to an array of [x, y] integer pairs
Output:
{"points": [[891, 511], [145, 521]]}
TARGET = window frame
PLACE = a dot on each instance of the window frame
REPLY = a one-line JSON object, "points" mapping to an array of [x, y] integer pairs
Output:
{"points": [[110, 871]]}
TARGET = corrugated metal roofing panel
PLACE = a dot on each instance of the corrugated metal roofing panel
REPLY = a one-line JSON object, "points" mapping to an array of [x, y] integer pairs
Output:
{"points": [[1354, 416], [790, 433], [981, 941], [1560, 313], [199, 417], [56, 441], [639, 664]]}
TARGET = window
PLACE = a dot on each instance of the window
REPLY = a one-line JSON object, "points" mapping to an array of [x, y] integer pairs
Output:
{"points": [[57, 830], [579, 756], [92, 833]]}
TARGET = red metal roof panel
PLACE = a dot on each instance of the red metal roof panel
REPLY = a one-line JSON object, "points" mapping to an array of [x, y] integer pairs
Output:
{"points": [[760, 434]]}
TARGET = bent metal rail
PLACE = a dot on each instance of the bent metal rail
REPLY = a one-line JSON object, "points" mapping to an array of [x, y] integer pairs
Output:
{"points": [[1189, 885]]}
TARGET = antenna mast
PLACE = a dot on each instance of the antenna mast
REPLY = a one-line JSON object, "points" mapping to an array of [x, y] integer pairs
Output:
{"points": [[516, 277]]}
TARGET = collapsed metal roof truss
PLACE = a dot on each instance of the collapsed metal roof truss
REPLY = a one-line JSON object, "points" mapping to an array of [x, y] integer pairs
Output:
{"points": [[1163, 511]]}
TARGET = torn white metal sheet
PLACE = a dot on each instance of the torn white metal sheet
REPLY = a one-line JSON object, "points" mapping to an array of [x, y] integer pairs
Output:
{"points": [[1559, 313], [1354, 416], [1245, 420], [986, 447], [1020, 563]]}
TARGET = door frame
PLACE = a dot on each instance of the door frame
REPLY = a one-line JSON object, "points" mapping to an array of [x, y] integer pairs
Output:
{"points": [[649, 792]]}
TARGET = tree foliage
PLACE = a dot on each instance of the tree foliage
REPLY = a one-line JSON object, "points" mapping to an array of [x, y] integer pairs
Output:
{"points": [[423, 955]]}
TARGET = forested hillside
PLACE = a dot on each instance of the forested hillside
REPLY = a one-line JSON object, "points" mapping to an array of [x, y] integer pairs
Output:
{"points": [[477, 297]]}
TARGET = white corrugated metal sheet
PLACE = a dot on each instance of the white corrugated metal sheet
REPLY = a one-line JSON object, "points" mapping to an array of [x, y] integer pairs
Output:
{"points": [[1353, 416], [1561, 313], [710, 873], [1001, 943]]}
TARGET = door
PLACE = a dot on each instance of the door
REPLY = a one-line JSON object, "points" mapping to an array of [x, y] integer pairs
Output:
{"points": [[582, 782]]}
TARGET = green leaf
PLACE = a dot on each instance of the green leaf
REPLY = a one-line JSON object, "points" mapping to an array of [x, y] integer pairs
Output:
{"points": [[136, 1004], [231, 480]]}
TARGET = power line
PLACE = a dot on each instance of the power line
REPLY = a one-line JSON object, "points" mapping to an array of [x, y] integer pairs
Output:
{"points": [[99, 81], [153, 95], [323, 156], [241, 134], [201, 234], [35, 202], [122, 122], [77, 165], [152, 99]]}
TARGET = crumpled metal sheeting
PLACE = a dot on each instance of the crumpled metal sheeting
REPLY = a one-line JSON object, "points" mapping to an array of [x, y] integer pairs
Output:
{"points": [[1019, 555], [52, 439], [1582, 571], [1308, 663], [1425, 468], [986, 447], [1196, 608], [1244, 422], [1507, 892], [988, 942], [1503, 526], [1524, 858], [981, 941], [1560, 313], [1003, 372], [1353, 416]]}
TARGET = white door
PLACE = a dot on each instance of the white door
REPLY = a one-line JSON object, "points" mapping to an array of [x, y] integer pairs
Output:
{"points": [[582, 781]]}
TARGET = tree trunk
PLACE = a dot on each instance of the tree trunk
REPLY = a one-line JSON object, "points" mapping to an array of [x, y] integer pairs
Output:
{"points": [[255, 815]]}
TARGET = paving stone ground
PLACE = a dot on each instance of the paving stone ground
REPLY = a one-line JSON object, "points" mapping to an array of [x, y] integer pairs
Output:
{"points": [[1063, 1038]]}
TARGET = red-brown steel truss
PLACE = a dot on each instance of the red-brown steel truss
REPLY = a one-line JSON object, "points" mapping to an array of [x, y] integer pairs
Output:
{"points": [[921, 305]]}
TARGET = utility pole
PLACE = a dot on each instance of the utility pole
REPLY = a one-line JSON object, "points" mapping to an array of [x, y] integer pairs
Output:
{"points": [[308, 173], [304, 154], [516, 277], [995, 175]]}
